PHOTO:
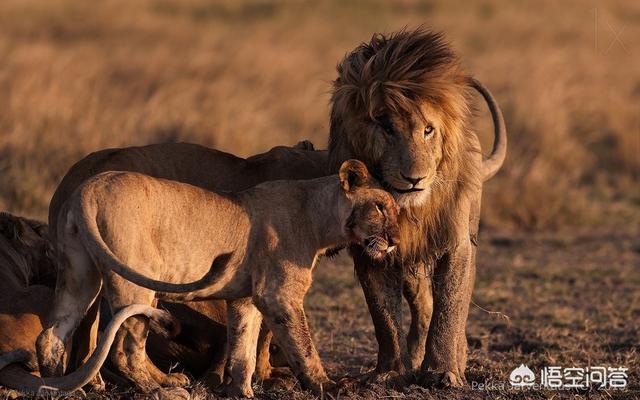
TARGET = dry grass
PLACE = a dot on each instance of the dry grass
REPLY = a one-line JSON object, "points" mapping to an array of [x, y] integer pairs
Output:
{"points": [[76, 76], [572, 301]]}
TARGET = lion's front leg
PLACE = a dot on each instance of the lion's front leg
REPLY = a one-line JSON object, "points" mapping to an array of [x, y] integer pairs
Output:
{"points": [[243, 329], [263, 362], [452, 285], [282, 307], [417, 292], [382, 287]]}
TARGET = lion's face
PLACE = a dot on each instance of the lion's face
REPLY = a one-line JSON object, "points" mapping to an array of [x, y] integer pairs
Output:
{"points": [[372, 220], [411, 152], [373, 223], [399, 104]]}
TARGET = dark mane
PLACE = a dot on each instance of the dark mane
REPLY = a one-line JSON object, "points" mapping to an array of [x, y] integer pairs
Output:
{"points": [[398, 73]]}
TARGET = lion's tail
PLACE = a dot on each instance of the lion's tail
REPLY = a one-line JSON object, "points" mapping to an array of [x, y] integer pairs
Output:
{"points": [[25, 382], [214, 280], [492, 164]]}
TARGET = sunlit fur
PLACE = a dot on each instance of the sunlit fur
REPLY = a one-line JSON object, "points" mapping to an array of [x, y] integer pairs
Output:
{"points": [[409, 76]]}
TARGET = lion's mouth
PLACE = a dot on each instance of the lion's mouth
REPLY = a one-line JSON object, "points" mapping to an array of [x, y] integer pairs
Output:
{"points": [[405, 191], [391, 188], [377, 247]]}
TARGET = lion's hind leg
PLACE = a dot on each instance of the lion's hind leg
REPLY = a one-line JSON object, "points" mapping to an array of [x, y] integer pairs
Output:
{"points": [[78, 287], [128, 353], [85, 342], [168, 329]]}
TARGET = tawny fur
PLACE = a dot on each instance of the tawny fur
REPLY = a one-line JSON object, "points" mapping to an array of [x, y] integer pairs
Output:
{"points": [[26, 289], [401, 104], [158, 233], [32, 384], [200, 347], [27, 282], [27, 274]]}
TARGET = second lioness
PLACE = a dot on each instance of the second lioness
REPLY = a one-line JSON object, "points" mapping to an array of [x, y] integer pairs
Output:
{"points": [[200, 349], [151, 230]]}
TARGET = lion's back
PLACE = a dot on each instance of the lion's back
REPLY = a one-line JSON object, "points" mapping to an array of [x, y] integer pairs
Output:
{"points": [[182, 162]]}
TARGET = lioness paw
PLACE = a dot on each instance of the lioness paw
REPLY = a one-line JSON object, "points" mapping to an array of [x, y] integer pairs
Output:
{"points": [[447, 379], [389, 379], [96, 384], [236, 391], [213, 379], [175, 379], [171, 394]]}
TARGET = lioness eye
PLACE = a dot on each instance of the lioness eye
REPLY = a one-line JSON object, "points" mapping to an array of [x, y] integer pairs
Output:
{"points": [[428, 130]]}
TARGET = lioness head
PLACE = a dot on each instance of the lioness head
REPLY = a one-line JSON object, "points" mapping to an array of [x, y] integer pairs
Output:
{"points": [[372, 220], [26, 253], [400, 104]]}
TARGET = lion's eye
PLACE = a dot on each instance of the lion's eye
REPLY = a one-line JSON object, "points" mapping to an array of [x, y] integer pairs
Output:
{"points": [[428, 130]]}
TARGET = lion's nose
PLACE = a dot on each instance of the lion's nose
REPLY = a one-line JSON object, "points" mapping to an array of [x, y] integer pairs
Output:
{"points": [[413, 181]]}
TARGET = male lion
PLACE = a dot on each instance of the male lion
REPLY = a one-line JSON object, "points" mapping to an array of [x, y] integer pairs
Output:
{"points": [[401, 104], [264, 242], [209, 169]]}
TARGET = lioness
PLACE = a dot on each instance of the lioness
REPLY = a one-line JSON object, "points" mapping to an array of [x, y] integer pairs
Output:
{"points": [[77, 379], [27, 283], [264, 242], [209, 169], [26, 288]]}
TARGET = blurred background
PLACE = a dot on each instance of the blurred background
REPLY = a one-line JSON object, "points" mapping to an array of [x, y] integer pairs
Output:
{"points": [[243, 76]]}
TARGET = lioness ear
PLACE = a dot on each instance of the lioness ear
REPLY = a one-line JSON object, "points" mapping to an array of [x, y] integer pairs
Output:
{"points": [[17, 230], [353, 175]]}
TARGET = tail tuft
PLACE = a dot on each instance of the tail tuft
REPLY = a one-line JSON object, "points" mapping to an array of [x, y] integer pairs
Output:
{"points": [[16, 356], [163, 323]]}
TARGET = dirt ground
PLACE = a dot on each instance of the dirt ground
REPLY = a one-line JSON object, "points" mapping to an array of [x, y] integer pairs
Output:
{"points": [[569, 300], [564, 300]]}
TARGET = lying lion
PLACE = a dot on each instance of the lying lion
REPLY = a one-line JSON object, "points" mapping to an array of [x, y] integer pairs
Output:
{"points": [[26, 289], [203, 323], [77, 379], [27, 282], [27, 274], [264, 243]]}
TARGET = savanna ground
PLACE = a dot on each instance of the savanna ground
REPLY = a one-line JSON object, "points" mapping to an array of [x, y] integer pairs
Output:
{"points": [[559, 253]]}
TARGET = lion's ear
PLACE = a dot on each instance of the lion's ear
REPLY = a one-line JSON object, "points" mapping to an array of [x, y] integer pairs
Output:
{"points": [[353, 174]]}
